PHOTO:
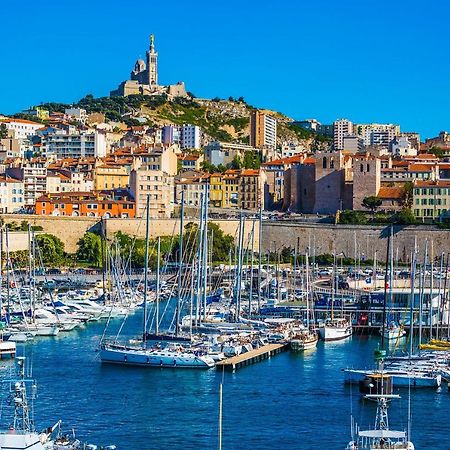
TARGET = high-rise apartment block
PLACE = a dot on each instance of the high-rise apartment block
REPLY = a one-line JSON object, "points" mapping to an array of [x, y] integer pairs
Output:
{"points": [[263, 130], [341, 128]]}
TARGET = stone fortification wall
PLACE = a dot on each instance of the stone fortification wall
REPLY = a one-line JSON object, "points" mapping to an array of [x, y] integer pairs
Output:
{"points": [[325, 238], [342, 239], [71, 229]]}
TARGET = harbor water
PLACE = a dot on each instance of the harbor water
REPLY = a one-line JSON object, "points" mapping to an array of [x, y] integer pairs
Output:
{"points": [[291, 401]]}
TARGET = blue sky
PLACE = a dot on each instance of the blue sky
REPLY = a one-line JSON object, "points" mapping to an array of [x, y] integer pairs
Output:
{"points": [[367, 60]]}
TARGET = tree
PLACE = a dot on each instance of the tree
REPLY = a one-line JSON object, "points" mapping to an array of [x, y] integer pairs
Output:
{"points": [[236, 163], [251, 160], [90, 248], [406, 217], [208, 167], [407, 195], [50, 249], [372, 202], [352, 217], [3, 131], [221, 245]]}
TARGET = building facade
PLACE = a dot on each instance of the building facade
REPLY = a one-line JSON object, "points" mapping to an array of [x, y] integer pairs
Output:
{"points": [[11, 195], [76, 145], [263, 130], [341, 128], [160, 188], [106, 204]]}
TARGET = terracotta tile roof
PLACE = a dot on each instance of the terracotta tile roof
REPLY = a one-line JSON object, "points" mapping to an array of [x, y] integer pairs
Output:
{"points": [[10, 119], [420, 168], [250, 173], [390, 192], [429, 183]]}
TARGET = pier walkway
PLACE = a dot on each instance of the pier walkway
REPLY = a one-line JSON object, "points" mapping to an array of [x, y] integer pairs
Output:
{"points": [[251, 357]]}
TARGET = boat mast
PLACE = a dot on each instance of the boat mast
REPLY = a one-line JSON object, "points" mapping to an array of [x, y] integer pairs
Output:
{"points": [[30, 262], [8, 300], [411, 306], [422, 289], [103, 256], [147, 232], [220, 415], [237, 271], [251, 272], [158, 268], [205, 250], [430, 310], [1, 273], [180, 267], [259, 258], [387, 276], [307, 290], [199, 260], [332, 284]]}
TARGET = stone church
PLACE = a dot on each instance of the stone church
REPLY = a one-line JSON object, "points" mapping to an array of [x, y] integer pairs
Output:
{"points": [[144, 78]]}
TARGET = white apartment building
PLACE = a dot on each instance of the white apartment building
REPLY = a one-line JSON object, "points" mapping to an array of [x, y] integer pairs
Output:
{"points": [[379, 134], [11, 195], [75, 145], [33, 175], [68, 181], [79, 114], [171, 134], [21, 129], [341, 128], [401, 147], [190, 137]]}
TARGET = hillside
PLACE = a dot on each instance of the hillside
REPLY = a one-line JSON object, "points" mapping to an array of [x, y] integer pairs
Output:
{"points": [[224, 120]]}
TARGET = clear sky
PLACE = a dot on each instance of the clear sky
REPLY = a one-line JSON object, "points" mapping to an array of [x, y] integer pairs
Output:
{"points": [[366, 60]]}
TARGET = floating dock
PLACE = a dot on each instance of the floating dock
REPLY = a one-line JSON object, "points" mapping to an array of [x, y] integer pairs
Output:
{"points": [[252, 357]]}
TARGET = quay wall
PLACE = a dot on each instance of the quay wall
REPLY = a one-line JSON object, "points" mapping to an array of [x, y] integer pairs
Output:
{"points": [[342, 239], [324, 238], [71, 229]]}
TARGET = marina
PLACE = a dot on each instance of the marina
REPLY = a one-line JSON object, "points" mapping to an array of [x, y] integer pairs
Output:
{"points": [[192, 321]]}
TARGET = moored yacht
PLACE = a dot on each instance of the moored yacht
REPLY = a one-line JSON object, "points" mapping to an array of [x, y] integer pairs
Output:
{"points": [[335, 329], [171, 356]]}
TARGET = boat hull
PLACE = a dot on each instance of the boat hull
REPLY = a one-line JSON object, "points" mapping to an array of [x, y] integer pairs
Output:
{"points": [[335, 334], [300, 345], [403, 380], [147, 358]]}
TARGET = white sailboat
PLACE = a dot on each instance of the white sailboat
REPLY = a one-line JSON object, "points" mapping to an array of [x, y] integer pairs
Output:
{"points": [[335, 328], [307, 338], [173, 356]]}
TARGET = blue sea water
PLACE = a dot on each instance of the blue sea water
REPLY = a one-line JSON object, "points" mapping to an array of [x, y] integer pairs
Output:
{"points": [[291, 401]]}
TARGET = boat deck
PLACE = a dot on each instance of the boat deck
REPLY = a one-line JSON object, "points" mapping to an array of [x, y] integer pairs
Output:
{"points": [[251, 357]]}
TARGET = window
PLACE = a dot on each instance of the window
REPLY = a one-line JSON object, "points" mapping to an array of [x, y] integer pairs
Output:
{"points": [[324, 162], [109, 205]]}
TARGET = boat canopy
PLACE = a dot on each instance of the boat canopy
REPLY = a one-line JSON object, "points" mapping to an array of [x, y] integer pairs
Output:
{"points": [[388, 434]]}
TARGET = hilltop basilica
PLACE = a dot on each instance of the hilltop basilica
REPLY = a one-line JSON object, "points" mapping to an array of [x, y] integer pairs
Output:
{"points": [[144, 78]]}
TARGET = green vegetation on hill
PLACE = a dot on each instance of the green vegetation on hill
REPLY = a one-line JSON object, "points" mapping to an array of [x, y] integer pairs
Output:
{"points": [[223, 120]]}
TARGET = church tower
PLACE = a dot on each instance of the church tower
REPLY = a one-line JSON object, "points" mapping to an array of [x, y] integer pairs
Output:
{"points": [[152, 63]]}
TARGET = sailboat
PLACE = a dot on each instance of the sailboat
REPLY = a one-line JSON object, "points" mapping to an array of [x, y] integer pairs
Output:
{"points": [[335, 328], [174, 355], [306, 338], [392, 330], [411, 370]]}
